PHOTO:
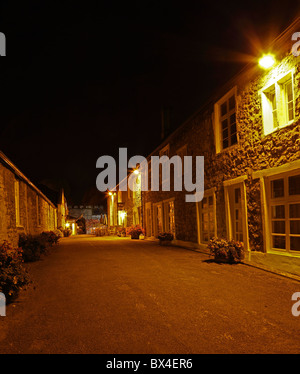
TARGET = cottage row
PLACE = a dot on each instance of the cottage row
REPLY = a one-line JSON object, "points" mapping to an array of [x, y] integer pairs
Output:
{"points": [[24, 208], [248, 133]]}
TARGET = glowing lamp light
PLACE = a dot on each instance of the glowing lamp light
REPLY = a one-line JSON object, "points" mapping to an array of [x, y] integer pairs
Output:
{"points": [[122, 215], [136, 172], [266, 61], [67, 224], [110, 193]]}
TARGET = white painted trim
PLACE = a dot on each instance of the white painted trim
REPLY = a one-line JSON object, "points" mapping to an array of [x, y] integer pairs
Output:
{"points": [[229, 230], [216, 119], [236, 180], [277, 170]]}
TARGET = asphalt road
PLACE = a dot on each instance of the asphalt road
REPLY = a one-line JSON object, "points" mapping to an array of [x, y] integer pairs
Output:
{"points": [[116, 295]]}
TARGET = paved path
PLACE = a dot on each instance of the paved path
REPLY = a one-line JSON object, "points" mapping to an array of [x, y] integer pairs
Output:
{"points": [[105, 295]]}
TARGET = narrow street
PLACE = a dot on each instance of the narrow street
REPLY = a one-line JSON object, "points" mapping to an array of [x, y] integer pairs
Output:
{"points": [[116, 295]]}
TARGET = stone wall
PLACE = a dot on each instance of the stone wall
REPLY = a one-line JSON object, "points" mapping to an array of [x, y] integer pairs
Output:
{"points": [[28, 209]]}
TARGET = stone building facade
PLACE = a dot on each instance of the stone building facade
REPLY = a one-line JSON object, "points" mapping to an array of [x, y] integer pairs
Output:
{"points": [[124, 208], [23, 207], [248, 133]]}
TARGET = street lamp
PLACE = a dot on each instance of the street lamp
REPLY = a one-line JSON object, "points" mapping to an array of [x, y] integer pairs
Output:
{"points": [[266, 61]]}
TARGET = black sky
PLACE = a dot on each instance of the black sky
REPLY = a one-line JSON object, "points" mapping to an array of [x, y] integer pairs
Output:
{"points": [[80, 81]]}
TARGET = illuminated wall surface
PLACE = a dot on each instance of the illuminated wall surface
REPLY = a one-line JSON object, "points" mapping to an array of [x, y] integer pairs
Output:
{"points": [[22, 208]]}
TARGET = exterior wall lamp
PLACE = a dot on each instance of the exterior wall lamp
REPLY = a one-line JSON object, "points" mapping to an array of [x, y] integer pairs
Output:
{"points": [[266, 61]]}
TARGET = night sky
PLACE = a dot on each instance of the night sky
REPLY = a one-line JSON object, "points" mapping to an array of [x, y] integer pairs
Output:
{"points": [[80, 81]]}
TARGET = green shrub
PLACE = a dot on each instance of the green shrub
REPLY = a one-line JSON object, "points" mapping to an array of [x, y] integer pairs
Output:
{"points": [[13, 276]]}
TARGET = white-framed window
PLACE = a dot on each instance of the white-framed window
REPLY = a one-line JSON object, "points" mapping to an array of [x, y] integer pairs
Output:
{"points": [[158, 218], [17, 201], [278, 107], [207, 214], [284, 211], [225, 126], [169, 216]]}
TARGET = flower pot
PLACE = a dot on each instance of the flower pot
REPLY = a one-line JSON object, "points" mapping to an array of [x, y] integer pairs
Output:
{"points": [[135, 236], [221, 257], [142, 237]]}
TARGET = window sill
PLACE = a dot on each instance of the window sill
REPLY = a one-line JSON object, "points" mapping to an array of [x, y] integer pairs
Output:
{"points": [[279, 128], [283, 252]]}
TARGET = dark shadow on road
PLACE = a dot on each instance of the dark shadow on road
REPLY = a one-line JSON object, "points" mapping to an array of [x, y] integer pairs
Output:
{"points": [[209, 261]]}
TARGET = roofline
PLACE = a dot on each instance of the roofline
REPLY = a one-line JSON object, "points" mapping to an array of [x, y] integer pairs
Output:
{"points": [[17, 172]]}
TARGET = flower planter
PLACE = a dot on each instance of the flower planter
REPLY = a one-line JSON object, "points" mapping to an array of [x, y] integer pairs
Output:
{"points": [[221, 259], [135, 236]]}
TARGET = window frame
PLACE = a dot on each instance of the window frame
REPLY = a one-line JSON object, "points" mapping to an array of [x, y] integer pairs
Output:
{"points": [[286, 200], [166, 215], [207, 193], [279, 83], [217, 118]]}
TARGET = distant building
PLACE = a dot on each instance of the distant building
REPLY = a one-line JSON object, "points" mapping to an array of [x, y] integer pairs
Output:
{"points": [[93, 215]]}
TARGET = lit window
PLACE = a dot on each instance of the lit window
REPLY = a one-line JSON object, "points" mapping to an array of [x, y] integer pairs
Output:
{"points": [[278, 104], [169, 213], [285, 213]]}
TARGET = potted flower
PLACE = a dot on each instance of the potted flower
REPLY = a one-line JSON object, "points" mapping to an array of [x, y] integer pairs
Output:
{"points": [[225, 250], [165, 238], [136, 231], [121, 231]]}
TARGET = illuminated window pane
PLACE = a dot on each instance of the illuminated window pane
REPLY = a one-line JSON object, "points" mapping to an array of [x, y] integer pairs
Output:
{"points": [[289, 100]]}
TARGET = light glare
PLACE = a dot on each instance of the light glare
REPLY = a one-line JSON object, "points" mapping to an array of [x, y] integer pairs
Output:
{"points": [[266, 61]]}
